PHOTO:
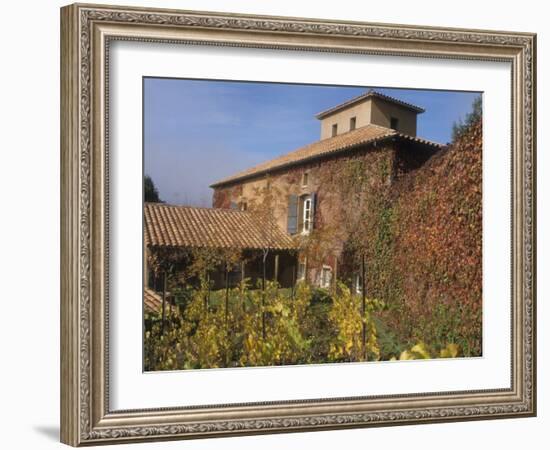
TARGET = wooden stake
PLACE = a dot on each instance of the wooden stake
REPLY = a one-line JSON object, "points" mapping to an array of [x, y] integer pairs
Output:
{"points": [[163, 303], [226, 296], [243, 266], [335, 277], [293, 290], [263, 294]]}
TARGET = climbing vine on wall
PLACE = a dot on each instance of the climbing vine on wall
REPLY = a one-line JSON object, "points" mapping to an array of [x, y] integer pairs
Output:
{"points": [[439, 236], [420, 235]]}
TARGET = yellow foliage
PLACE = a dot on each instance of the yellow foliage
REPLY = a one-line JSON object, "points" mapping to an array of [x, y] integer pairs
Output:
{"points": [[348, 320], [422, 351], [451, 351]]}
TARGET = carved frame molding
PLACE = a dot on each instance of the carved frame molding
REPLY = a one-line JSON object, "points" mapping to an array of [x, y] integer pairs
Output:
{"points": [[87, 31]]}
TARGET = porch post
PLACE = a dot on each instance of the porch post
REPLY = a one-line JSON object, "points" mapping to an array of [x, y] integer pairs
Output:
{"points": [[276, 269], [145, 268]]}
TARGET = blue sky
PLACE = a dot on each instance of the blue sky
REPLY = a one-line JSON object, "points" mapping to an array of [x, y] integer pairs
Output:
{"points": [[199, 131]]}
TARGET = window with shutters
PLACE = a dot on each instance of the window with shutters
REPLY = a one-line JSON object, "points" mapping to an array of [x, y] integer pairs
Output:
{"points": [[307, 215], [358, 284], [326, 276], [300, 213], [301, 275]]}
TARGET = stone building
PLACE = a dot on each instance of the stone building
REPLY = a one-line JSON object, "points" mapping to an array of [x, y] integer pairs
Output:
{"points": [[373, 129]]}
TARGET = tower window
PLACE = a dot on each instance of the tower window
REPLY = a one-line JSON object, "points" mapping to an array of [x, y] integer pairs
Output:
{"points": [[352, 123], [305, 179], [334, 129], [394, 123]]}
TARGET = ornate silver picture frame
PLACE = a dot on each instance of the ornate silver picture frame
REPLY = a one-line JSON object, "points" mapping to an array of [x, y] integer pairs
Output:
{"points": [[87, 33]]}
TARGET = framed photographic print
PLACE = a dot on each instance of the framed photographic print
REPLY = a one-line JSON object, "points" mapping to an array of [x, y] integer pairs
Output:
{"points": [[278, 224]]}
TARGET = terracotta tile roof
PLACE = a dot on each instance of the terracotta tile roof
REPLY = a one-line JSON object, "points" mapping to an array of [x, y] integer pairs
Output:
{"points": [[184, 226], [360, 136], [369, 94], [151, 300]]}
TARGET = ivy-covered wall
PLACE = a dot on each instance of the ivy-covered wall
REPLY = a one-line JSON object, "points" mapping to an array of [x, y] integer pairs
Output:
{"points": [[412, 220], [332, 180], [421, 240], [436, 246]]}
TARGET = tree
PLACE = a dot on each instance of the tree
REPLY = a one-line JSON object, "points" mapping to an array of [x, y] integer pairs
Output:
{"points": [[474, 116], [150, 191]]}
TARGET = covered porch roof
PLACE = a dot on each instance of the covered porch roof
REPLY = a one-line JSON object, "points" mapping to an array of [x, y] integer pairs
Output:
{"points": [[192, 227]]}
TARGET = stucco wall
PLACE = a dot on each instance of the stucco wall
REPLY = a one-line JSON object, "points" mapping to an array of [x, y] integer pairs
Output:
{"points": [[372, 110], [320, 173], [381, 113], [361, 111]]}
